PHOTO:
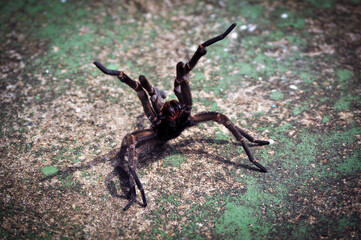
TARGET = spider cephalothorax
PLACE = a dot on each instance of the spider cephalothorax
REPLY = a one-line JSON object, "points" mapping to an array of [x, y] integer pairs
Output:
{"points": [[173, 112], [168, 118]]}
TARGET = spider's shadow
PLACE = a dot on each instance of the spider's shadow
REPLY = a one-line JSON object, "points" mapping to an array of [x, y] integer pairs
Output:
{"points": [[208, 141], [147, 158], [156, 153]]}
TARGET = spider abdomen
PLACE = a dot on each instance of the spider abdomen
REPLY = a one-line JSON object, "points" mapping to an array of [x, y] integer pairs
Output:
{"points": [[166, 133]]}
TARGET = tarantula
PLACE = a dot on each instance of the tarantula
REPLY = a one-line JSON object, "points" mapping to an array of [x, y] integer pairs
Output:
{"points": [[169, 118]]}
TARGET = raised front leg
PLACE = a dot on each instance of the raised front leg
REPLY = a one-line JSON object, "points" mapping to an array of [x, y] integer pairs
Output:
{"points": [[181, 83], [156, 96], [142, 95], [181, 87], [201, 51], [236, 131]]}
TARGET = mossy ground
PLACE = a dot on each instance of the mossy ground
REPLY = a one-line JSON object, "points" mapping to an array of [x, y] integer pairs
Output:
{"points": [[290, 72]]}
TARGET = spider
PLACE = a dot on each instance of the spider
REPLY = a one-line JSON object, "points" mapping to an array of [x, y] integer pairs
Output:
{"points": [[169, 118]]}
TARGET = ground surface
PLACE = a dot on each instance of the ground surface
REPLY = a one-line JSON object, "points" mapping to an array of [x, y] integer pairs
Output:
{"points": [[290, 73]]}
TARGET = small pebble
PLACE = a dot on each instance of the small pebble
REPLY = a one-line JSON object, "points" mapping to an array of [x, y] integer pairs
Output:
{"points": [[251, 27], [243, 27], [284, 15]]}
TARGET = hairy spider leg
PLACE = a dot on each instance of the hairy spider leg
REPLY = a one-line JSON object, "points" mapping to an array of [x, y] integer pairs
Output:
{"points": [[181, 87], [201, 50], [105, 70], [120, 163], [155, 97], [181, 83], [236, 131], [142, 95], [250, 138], [219, 37], [134, 142]]}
